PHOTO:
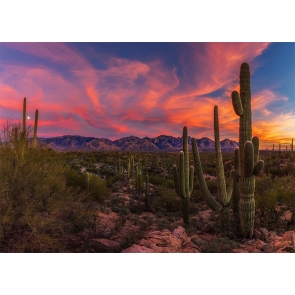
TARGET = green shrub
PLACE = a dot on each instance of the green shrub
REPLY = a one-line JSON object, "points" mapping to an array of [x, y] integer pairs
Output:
{"points": [[272, 197], [167, 199], [156, 179], [220, 245]]}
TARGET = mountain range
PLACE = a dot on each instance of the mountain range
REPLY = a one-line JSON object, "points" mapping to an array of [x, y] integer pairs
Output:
{"points": [[162, 143]]}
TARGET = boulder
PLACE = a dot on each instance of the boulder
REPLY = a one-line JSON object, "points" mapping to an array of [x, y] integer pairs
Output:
{"points": [[164, 242]]}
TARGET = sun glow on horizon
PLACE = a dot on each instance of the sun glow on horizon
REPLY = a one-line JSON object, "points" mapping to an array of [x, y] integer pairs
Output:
{"points": [[114, 96]]}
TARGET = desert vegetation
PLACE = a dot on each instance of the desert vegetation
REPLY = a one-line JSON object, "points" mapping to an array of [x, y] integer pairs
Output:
{"points": [[108, 201]]}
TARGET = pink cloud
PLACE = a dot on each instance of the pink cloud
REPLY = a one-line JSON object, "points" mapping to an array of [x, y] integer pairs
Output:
{"points": [[126, 96]]}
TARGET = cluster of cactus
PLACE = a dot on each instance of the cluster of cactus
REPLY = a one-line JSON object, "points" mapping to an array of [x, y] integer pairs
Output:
{"points": [[246, 163], [120, 167], [183, 181], [130, 167]]}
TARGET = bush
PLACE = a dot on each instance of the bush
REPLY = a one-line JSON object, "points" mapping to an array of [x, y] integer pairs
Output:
{"points": [[98, 190], [167, 199], [39, 211], [220, 245], [272, 197]]}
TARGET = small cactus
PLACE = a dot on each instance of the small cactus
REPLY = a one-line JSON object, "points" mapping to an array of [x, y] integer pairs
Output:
{"points": [[35, 129], [184, 182]]}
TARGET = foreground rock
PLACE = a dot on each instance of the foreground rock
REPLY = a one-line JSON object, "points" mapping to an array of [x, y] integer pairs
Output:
{"points": [[265, 241], [164, 242]]}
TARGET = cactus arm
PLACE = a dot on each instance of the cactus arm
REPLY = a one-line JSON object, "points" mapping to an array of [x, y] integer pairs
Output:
{"points": [[222, 195], [237, 104], [24, 130], [212, 204], [258, 167], [255, 141], [229, 191], [176, 180], [24, 115]]}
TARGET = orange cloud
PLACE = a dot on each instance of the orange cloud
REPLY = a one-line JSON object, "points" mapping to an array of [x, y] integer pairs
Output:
{"points": [[140, 98]]}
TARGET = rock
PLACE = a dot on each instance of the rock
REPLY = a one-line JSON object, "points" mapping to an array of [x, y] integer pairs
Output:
{"points": [[288, 240], [270, 236], [105, 245], [267, 248], [248, 248], [180, 233], [264, 232], [277, 244], [257, 234], [165, 242], [259, 244]]}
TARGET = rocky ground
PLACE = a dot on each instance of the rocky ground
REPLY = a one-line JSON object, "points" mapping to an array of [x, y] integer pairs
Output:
{"points": [[149, 233]]}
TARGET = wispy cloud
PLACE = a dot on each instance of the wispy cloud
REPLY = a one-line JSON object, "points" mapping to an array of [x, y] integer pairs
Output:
{"points": [[129, 96]]}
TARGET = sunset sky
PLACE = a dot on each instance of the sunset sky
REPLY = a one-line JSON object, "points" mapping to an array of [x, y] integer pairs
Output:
{"points": [[114, 90]]}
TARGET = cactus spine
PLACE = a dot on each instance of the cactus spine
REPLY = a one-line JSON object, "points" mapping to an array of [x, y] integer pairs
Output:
{"points": [[184, 182], [224, 195], [249, 166]]}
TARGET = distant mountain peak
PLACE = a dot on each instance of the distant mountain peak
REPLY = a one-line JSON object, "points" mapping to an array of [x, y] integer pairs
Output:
{"points": [[160, 143]]}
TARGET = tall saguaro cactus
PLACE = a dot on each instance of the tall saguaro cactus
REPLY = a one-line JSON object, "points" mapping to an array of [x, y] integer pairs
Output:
{"points": [[35, 129], [224, 194], [249, 166], [183, 182], [24, 142]]}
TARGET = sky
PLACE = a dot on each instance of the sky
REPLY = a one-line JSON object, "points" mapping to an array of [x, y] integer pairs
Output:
{"points": [[115, 89]]}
